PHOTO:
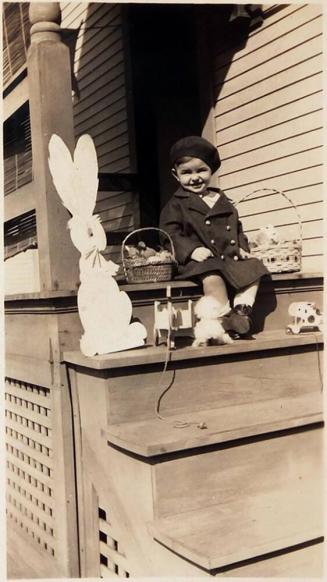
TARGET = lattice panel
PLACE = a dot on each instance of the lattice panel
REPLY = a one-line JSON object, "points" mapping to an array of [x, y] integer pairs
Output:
{"points": [[113, 561], [30, 502]]}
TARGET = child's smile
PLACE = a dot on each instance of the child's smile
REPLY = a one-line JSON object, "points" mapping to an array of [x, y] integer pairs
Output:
{"points": [[194, 175]]}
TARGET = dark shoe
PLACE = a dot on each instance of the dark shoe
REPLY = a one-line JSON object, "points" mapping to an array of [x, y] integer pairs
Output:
{"points": [[238, 320]]}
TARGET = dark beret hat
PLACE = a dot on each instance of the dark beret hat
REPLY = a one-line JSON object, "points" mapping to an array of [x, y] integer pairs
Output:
{"points": [[196, 147]]}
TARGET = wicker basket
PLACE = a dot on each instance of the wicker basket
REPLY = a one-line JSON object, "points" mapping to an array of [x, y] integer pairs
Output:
{"points": [[286, 256], [150, 273]]}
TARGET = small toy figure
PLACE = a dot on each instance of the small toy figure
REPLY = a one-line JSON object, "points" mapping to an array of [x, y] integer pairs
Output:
{"points": [[145, 251], [306, 317], [104, 310], [208, 328], [266, 237], [141, 254]]}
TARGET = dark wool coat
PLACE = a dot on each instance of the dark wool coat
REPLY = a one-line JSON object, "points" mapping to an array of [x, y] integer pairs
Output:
{"points": [[191, 224]]}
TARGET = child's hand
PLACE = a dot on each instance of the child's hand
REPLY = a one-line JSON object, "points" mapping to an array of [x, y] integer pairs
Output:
{"points": [[244, 254], [200, 254]]}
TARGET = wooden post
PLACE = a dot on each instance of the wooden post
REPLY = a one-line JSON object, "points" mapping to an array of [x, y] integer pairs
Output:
{"points": [[51, 111]]}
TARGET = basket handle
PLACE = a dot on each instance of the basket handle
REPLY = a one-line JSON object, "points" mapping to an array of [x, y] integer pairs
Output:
{"points": [[282, 194], [142, 230]]}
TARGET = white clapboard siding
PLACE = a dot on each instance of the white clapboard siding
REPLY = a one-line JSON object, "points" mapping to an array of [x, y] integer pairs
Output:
{"points": [[94, 78], [267, 201], [313, 263], [112, 123], [104, 48], [124, 223], [301, 15], [113, 252], [112, 200], [279, 132], [311, 84], [100, 102], [279, 217], [101, 116], [274, 52], [97, 108], [116, 211], [96, 83], [268, 151], [276, 167], [268, 123], [117, 130], [266, 85], [21, 273], [289, 112], [296, 179]]}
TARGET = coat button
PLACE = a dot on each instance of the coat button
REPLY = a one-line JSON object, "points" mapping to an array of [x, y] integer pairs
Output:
{"points": [[212, 242], [227, 227], [208, 222], [222, 257], [232, 242], [235, 257]]}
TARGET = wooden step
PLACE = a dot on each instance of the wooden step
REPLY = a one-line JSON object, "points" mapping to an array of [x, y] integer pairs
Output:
{"points": [[300, 561], [272, 366], [156, 437], [221, 535], [149, 354]]}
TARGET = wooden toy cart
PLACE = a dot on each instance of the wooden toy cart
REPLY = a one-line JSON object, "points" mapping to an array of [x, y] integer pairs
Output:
{"points": [[170, 322]]}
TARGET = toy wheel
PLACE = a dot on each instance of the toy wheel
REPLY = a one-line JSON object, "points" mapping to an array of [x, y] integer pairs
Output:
{"points": [[172, 344], [155, 337], [294, 329]]}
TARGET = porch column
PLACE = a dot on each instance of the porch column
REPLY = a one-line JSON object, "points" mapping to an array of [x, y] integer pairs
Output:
{"points": [[51, 111]]}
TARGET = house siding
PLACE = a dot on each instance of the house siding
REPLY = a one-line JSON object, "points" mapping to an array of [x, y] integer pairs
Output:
{"points": [[268, 123], [101, 106]]}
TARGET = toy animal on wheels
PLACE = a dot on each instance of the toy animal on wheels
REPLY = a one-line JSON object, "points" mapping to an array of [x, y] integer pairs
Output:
{"points": [[104, 310], [306, 317]]}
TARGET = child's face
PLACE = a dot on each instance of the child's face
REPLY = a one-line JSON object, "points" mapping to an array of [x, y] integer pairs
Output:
{"points": [[193, 175]]}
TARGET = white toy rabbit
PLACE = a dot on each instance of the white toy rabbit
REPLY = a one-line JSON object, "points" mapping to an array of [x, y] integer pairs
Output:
{"points": [[267, 236], [104, 310]]}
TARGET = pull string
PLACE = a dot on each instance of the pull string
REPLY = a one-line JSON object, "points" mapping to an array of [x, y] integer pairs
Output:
{"points": [[321, 376], [174, 423]]}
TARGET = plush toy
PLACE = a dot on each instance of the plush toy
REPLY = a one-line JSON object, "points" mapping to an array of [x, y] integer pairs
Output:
{"points": [[306, 317], [266, 237], [104, 310], [145, 251], [209, 327]]}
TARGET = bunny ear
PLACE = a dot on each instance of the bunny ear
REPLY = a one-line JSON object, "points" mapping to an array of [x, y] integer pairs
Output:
{"points": [[63, 173], [86, 174]]}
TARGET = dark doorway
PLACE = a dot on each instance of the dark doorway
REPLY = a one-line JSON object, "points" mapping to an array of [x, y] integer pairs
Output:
{"points": [[164, 62]]}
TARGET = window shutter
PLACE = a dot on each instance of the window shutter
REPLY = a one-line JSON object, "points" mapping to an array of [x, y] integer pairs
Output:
{"points": [[16, 38], [17, 150]]}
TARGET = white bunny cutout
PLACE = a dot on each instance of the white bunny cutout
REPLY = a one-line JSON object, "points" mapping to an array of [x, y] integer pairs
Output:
{"points": [[104, 310]]}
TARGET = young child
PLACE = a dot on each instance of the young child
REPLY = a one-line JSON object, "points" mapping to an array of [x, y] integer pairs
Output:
{"points": [[207, 234]]}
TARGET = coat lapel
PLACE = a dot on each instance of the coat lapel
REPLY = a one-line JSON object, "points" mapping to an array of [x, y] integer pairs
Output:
{"points": [[222, 206], [193, 201], [196, 203]]}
